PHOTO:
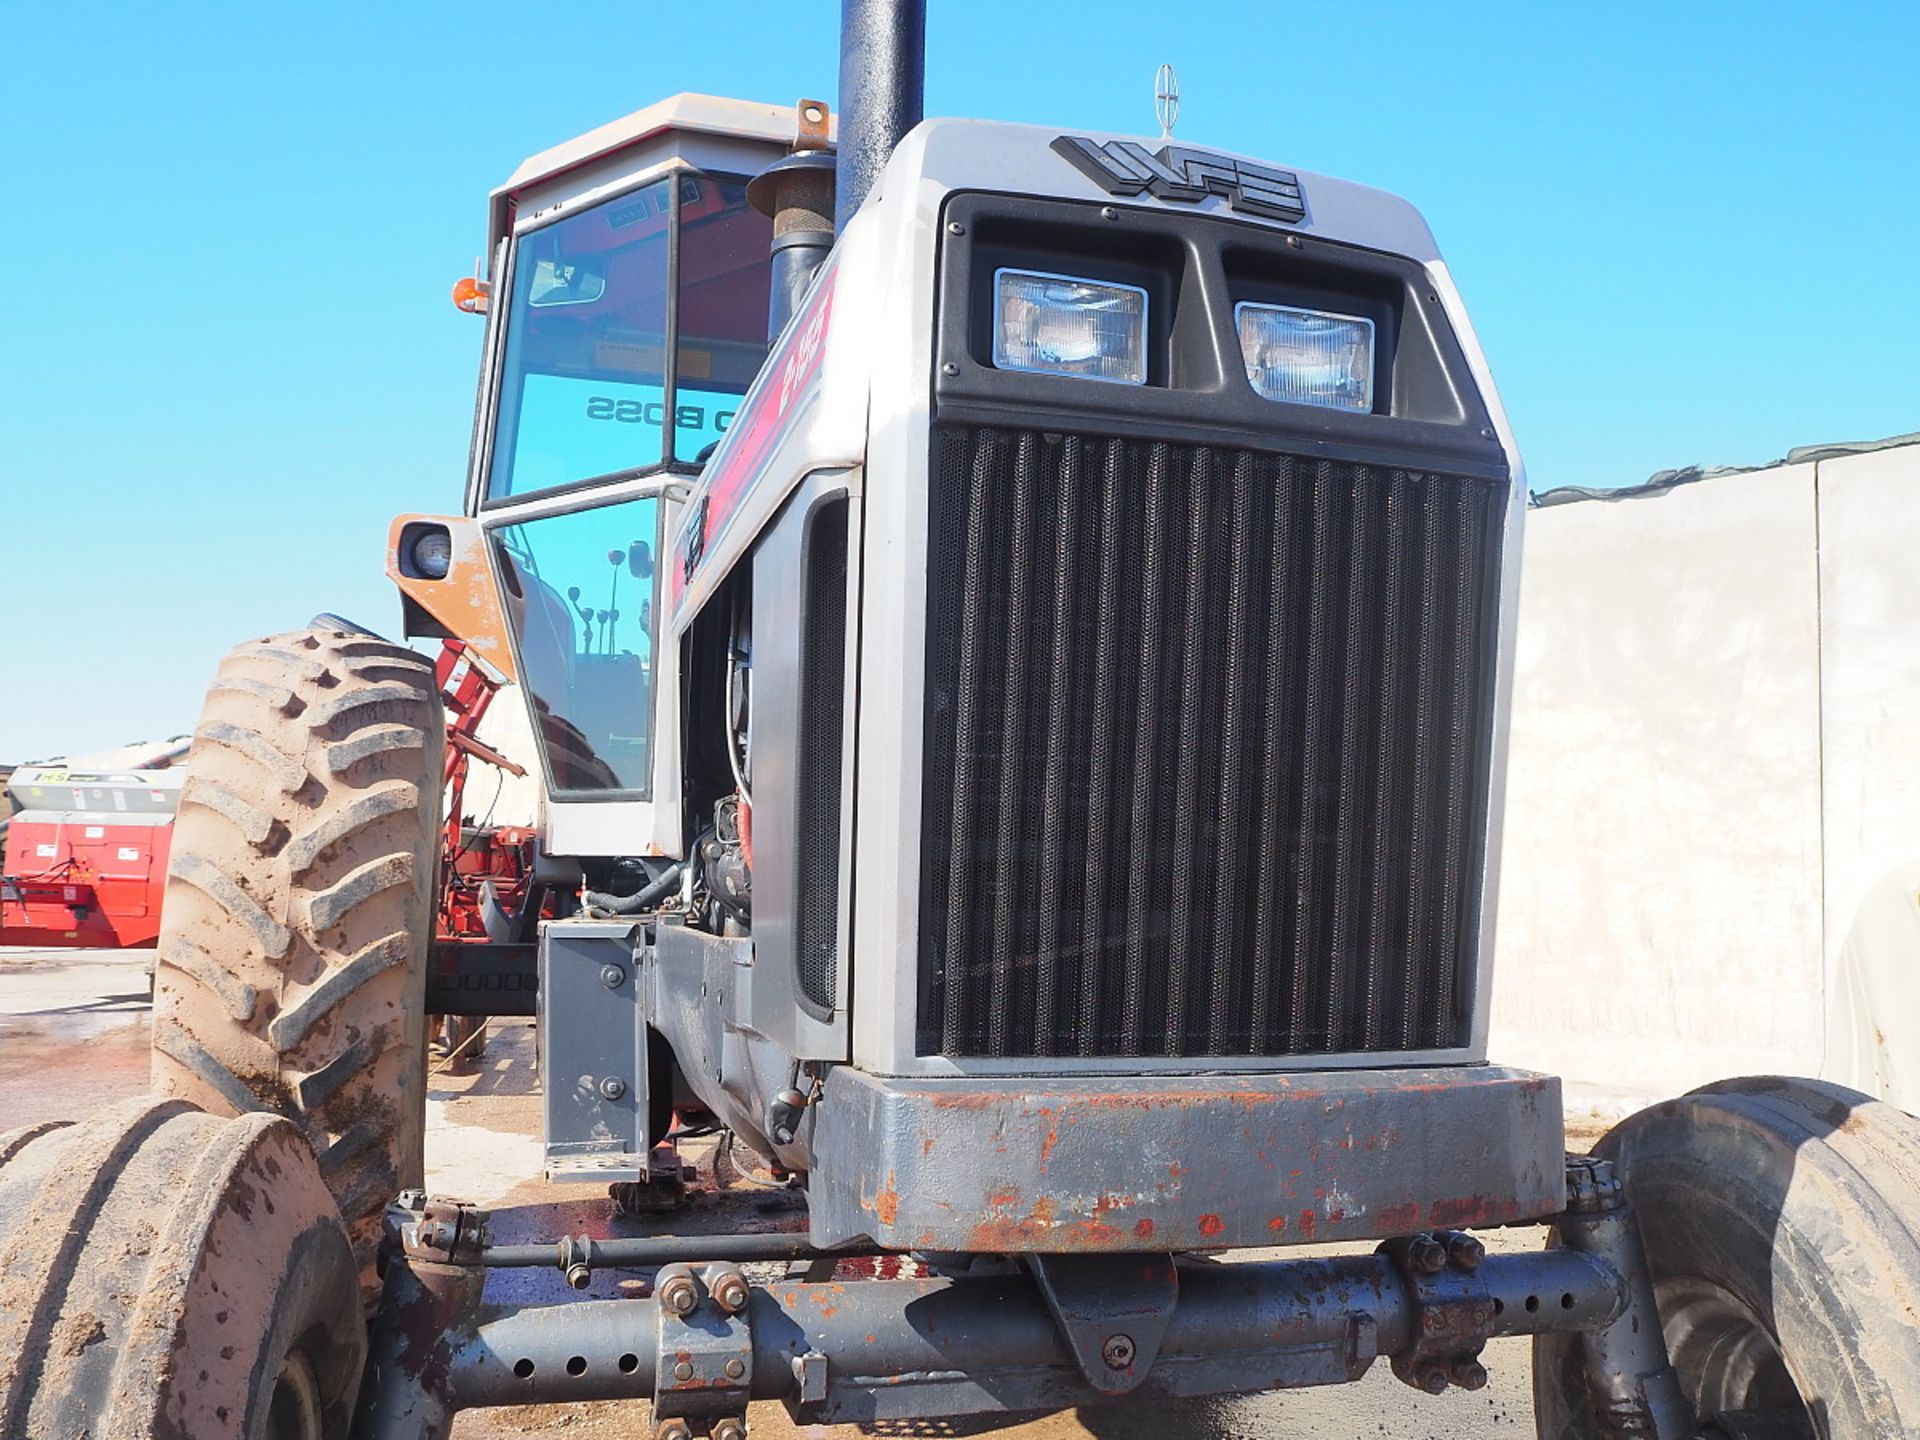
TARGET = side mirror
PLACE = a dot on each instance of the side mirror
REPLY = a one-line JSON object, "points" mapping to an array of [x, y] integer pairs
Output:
{"points": [[640, 560], [566, 282]]}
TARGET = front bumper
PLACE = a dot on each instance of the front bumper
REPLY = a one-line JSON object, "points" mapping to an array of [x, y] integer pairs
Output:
{"points": [[1159, 1163]]}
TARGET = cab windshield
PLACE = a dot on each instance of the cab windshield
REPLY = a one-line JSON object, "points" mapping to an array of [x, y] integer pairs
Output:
{"points": [[600, 300]]}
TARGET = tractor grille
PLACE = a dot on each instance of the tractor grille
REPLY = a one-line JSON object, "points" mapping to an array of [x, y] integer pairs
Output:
{"points": [[823, 668], [1207, 737]]}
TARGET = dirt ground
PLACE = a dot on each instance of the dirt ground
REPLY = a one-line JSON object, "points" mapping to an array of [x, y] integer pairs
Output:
{"points": [[73, 1037]]}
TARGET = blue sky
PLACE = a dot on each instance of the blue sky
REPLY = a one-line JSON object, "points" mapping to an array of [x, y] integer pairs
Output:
{"points": [[1685, 233]]}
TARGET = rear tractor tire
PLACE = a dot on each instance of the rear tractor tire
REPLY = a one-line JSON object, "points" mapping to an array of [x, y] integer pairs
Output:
{"points": [[298, 909], [150, 1288], [1781, 1220]]}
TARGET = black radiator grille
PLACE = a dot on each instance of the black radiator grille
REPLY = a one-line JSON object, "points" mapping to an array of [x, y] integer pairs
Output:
{"points": [[1206, 749], [823, 671]]}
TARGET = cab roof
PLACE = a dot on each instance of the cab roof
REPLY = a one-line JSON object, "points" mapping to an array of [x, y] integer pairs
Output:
{"points": [[707, 115]]}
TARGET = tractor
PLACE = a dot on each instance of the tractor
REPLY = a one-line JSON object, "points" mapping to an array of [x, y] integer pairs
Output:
{"points": [[1017, 628]]}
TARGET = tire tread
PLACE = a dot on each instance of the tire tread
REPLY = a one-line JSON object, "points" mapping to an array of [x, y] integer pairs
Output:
{"points": [[291, 966]]}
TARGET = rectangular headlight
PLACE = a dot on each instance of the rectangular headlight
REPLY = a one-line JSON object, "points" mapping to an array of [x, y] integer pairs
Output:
{"points": [[1066, 326], [1307, 357]]}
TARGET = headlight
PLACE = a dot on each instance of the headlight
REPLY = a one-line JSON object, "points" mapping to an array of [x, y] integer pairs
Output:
{"points": [[1064, 326], [432, 553], [1307, 357]]}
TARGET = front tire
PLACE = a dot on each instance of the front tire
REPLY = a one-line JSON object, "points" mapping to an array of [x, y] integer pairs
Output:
{"points": [[1781, 1220], [298, 908], [152, 1288]]}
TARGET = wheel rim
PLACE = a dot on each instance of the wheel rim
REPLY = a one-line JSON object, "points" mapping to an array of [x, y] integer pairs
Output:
{"points": [[294, 1413], [1727, 1359]]}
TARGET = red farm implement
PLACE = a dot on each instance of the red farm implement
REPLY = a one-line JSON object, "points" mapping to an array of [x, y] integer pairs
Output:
{"points": [[84, 858], [83, 861], [486, 904]]}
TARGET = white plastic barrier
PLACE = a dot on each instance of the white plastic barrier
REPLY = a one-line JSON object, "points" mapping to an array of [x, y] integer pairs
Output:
{"points": [[1715, 763]]}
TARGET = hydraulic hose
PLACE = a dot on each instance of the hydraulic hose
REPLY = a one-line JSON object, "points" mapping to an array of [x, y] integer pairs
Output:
{"points": [[640, 900]]}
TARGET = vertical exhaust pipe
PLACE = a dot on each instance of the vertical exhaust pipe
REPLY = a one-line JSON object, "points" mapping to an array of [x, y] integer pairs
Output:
{"points": [[883, 62], [796, 193], [883, 75]]}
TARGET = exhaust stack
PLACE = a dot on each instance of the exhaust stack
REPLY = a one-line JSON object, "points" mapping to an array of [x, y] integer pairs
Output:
{"points": [[883, 72], [796, 193]]}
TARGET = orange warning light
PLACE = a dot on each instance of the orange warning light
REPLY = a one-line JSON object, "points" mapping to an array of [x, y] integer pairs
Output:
{"points": [[470, 294]]}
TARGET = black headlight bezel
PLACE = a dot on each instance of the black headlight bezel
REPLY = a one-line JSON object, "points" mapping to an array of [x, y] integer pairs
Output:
{"points": [[1427, 410]]}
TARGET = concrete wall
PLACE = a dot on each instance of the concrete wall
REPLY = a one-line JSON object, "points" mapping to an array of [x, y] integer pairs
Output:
{"points": [[1870, 674], [1715, 754]]}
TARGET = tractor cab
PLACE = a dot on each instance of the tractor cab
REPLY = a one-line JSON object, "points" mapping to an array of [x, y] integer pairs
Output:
{"points": [[626, 303]]}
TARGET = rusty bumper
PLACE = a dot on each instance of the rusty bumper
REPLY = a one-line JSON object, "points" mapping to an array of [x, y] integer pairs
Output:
{"points": [[1181, 1163]]}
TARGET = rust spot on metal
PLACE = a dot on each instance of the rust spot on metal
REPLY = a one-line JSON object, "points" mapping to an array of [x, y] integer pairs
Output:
{"points": [[999, 1234], [1053, 1138], [1399, 1219], [886, 1205], [1143, 1228], [1277, 1224], [1211, 1225], [1308, 1220]]}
